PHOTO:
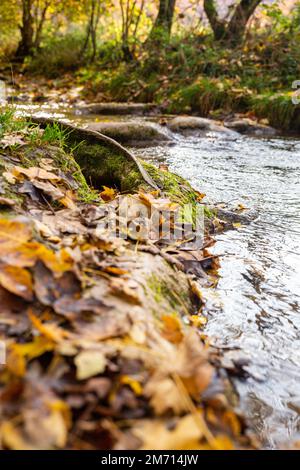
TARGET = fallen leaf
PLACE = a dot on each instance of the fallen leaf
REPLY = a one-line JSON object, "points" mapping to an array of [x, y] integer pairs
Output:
{"points": [[89, 363], [11, 140], [155, 435], [35, 348], [15, 362], [108, 194], [50, 330], [126, 289], [4, 201], [12, 234], [68, 200], [35, 173], [165, 396], [17, 280], [9, 177], [172, 328], [132, 383], [49, 189]]}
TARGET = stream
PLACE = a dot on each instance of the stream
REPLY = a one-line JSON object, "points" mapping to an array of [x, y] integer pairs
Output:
{"points": [[256, 306]]}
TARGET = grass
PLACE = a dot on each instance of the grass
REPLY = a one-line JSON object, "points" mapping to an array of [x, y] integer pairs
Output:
{"points": [[51, 143], [9, 123], [193, 74]]}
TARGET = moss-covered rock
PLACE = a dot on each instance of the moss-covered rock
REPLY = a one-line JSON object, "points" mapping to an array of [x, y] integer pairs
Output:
{"points": [[193, 124], [131, 131]]}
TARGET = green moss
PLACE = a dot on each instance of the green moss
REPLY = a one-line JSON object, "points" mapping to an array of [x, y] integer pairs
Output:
{"points": [[103, 166], [167, 291], [174, 186], [278, 109]]}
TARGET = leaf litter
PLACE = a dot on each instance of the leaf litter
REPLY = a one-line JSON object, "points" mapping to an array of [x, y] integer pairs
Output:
{"points": [[103, 335]]}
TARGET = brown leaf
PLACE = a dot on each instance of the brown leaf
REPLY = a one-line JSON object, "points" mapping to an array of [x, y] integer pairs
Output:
{"points": [[49, 189], [126, 289], [4, 201], [33, 173], [165, 396], [48, 289]]}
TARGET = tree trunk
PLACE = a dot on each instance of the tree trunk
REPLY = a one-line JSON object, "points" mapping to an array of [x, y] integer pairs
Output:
{"points": [[237, 26], [91, 33], [217, 25], [164, 19], [27, 30], [233, 31], [40, 21]]}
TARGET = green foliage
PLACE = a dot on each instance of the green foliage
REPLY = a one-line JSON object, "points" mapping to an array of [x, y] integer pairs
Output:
{"points": [[278, 109], [62, 52], [8, 122]]}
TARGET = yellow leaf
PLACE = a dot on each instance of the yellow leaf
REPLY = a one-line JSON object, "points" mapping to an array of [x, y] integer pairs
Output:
{"points": [[132, 383], [50, 331], [35, 348], [16, 363], [233, 422], [68, 200], [56, 262], [155, 435], [17, 280], [12, 437], [172, 328], [198, 320], [12, 234], [108, 194], [22, 256]]}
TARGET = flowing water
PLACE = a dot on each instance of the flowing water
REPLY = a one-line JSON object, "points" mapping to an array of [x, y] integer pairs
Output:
{"points": [[257, 302], [258, 295]]}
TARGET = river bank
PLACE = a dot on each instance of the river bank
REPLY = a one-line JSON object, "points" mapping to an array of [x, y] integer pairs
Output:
{"points": [[103, 334], [276, 110]]}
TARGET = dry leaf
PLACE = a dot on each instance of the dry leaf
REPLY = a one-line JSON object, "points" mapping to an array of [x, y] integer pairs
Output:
{"points": [[155, 435], [17, 280], [172, 329], [12, 234], [108, 194], [89, 363], [165, 396], [33, 173]]}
